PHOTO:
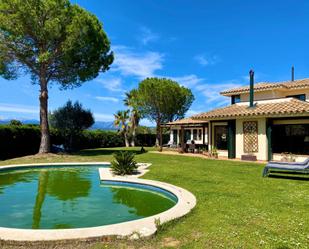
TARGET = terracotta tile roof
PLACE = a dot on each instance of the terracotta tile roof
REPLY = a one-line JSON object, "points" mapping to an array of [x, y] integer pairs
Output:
{"points": [[303, 83], [186, 121], [281, 107]]}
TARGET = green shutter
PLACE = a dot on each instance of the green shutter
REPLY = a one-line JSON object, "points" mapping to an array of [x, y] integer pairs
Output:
{"points": [[269, 142], [231, 139]]}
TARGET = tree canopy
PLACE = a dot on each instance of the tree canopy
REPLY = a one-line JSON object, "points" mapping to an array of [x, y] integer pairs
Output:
{"points": [[70, 120], [52, 41], [163, 100]]}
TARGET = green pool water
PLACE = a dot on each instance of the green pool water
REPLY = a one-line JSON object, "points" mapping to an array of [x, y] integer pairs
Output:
{"points": [[73, 197]]}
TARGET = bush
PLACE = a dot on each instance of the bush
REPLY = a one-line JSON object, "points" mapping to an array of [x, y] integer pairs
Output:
{"points": [[123, 163], [18, 141], [97, 139]]}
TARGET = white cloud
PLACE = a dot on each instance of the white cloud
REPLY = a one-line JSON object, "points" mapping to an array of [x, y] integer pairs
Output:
{"points": [[206, 60], [111, 83], [103, 98], [18, 108], [103, 117], [188, 80], [212, 92], [146, 122], [192, 112], [140, 65], [147, 36]]}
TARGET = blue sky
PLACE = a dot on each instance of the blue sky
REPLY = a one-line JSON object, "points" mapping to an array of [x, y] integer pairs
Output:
{"points": [[205, 45]]}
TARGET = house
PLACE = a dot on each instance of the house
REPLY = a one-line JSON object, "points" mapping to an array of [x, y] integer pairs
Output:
{"points": [[262, 122]]}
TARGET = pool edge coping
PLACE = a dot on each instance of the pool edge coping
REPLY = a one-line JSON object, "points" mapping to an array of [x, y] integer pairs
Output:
{"points": [[130, 229]]}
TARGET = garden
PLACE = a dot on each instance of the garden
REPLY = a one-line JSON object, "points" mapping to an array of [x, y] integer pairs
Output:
{"points": [[236, 206]]}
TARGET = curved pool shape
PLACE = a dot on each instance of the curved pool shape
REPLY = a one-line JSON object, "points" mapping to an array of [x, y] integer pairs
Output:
{"points": [[64, 197]]}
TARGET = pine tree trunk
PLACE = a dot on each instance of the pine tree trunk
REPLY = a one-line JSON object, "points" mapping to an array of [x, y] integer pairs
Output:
{"points": [[161, 142], [158, 134], [45, 137]]}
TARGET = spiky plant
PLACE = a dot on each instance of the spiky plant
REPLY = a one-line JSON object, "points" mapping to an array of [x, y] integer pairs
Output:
{"points": [[123, 163]]}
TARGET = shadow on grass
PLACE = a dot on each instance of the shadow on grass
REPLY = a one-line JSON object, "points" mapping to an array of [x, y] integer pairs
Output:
{"points": [[290, 177], [105, 152]]}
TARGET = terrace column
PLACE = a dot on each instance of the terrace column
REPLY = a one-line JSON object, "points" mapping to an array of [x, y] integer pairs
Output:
{"points": [[171, 134], [209, 136], [182, 134], [203, 134]]}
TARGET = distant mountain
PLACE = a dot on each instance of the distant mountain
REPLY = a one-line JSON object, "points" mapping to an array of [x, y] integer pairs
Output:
{"points": [[31, 121], [28, 121], [99, 125], [102, 125]]}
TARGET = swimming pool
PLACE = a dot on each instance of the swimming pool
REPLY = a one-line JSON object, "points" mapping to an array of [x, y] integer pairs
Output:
{"points": [[66, 197]]}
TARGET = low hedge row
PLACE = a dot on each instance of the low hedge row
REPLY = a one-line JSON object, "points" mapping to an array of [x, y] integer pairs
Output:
{"points": [[16, 141]]}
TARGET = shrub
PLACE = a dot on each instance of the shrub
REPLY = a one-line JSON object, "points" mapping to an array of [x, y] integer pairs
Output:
{"points": [[15, 122], [123, 163], [70, 120]]}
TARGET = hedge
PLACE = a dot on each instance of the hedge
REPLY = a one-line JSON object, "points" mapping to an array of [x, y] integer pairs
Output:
{"points": [[22, 140]]}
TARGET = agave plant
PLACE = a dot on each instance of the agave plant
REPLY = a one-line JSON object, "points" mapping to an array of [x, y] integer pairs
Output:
{"points": [[123, 163]]}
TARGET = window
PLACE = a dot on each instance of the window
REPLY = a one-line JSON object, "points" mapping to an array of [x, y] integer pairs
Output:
{"points": [[298, 96], [221, 137], [195, 134], [235, 99], [199, 137], [175, 136], [292, 138], [187, 135]]}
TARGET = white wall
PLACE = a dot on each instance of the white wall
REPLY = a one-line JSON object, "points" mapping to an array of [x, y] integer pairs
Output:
{"points": [[274, 94]]}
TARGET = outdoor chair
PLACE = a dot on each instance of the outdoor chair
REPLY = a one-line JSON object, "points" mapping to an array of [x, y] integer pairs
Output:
{"points": [[287, 167], [169, 144], [191, 148]]}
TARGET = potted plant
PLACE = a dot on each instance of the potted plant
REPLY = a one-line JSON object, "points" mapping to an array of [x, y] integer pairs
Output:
{"points": [[204, 151], [287, 157], [213, 153]]}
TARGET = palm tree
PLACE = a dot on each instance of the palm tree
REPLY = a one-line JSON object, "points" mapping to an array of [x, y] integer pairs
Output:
{"points": [[131, 101], [121, 121]]}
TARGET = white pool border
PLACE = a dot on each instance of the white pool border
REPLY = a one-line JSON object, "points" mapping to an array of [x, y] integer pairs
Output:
{"points": [[132, 229]]}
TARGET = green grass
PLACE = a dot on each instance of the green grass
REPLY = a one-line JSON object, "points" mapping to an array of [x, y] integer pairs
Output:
{"points": [[236, 207]]}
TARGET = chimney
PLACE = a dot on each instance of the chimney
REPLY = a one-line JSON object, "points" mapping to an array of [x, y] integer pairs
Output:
{"points": [[251, 73], [292, 73]]}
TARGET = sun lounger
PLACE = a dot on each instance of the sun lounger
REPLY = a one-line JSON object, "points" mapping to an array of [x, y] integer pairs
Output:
{"points": [[293, 167]]}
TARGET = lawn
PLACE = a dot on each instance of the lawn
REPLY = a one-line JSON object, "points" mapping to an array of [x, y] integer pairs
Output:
{"points": [[236, 207]]}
